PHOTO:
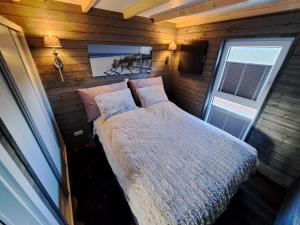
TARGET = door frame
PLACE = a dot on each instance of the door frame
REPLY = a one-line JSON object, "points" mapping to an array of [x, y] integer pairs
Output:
{"points": [[25, 180], [25, 54]]}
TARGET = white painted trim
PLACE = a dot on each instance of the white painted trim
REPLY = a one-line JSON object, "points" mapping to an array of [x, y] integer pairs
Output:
{"points": [[10, 24], [33, 74], [86, 5], [260, 7], [19, 186], [141, 6], [192, 8]]}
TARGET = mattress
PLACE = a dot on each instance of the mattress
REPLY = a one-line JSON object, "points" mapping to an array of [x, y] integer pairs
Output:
{"points": [[173, 167]]}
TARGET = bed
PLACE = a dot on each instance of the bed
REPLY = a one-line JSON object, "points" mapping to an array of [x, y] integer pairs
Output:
{"points": [[173, 167]]}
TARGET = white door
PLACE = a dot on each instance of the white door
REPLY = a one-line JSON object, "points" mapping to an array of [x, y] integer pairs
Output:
{"points": [[18, 127], [20, 204], [26, 124]]}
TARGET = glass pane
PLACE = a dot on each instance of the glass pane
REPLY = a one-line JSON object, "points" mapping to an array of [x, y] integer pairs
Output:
{"points": [[231, 77], [265, 55], [236, 125], [239, 109], [217, 116], [231, 117], [247, 69], [253, 80]]}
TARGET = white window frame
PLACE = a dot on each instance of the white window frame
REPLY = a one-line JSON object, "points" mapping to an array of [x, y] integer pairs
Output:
{"points": [[284, 42]]}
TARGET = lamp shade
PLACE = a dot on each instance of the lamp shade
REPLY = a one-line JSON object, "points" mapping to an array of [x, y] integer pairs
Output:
{"points": [[51, 41], [172, 46]]}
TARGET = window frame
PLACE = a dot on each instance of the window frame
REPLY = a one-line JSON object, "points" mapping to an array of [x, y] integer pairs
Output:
{"points": [[288, 44]]}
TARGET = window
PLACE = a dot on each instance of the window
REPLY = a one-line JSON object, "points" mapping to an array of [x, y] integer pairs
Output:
{"points": [[245, 75]]}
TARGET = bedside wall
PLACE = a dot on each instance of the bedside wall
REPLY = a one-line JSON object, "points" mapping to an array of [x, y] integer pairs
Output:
{"points": [[276, 135], [76, 30]]}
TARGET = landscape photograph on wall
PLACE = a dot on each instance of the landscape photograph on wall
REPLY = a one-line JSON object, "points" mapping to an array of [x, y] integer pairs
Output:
{"points": [[112, 60]]}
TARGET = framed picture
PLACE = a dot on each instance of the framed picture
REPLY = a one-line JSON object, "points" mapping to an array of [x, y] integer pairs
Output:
{"points": [[112, 60]]}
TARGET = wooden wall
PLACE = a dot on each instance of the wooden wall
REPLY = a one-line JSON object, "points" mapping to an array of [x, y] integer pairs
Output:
{"points": [[76, 30], [277, 133]]}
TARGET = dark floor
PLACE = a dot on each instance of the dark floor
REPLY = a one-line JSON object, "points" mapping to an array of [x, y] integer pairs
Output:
{"points": [[101, 201]]}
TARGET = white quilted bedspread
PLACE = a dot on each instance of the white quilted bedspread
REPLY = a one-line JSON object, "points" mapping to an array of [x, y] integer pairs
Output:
{"points": [[173, 167]]}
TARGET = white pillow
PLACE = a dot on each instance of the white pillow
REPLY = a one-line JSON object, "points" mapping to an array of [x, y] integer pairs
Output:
{"points": [[151, 95], [115, 102]]}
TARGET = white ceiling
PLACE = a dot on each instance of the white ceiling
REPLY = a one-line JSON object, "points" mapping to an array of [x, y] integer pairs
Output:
{"points": [[237, 10], [76, 2], [196, 18], [121, 5], [114, 5], [167, 6]]}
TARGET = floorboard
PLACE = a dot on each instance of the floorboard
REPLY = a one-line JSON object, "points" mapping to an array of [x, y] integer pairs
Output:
{"points": [[98, 199]]}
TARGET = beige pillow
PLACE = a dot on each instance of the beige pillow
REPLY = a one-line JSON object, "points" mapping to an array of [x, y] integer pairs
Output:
{"points": [[115, 103], [139, 83], [151, 95], [88, 95]]}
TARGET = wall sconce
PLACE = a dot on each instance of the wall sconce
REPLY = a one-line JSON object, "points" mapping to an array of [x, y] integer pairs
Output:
{"points": [[172, 49], [53, 42]]}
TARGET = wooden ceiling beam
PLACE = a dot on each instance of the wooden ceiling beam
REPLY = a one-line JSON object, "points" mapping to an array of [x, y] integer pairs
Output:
{"points": [[258, 10], [86, 5], [193, 8], [141, 6]]}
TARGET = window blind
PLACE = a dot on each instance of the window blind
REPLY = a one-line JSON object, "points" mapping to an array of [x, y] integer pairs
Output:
{"points": [[244, 80], [231, 122]]}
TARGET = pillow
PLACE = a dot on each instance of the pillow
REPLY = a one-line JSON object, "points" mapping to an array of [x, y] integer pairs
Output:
{"points": [[115, 102], [88, 95], [135, 84], [151, 95]]}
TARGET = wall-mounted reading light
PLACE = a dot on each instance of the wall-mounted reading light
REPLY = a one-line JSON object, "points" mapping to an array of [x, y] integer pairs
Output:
{"points": [[53, 42], [172, 49]]}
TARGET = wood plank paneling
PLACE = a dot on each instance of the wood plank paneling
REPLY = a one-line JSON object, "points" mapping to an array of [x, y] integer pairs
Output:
{"points": [[76, 30], [276, 135], [278, 125]]}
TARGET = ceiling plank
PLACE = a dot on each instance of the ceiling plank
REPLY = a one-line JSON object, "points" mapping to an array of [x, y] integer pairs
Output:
{"points": [[141, 6], [86, 5], [258, 10], [193, 8]]}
